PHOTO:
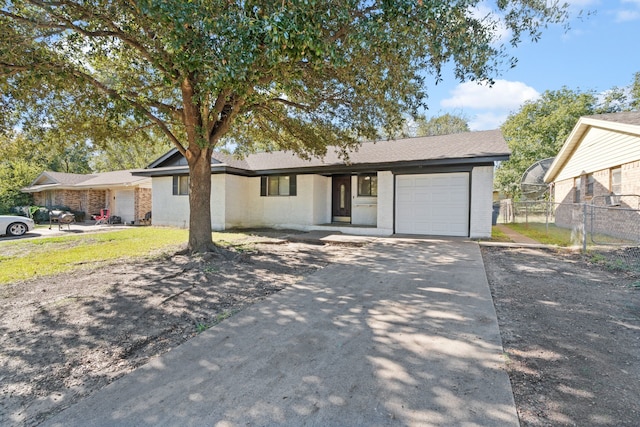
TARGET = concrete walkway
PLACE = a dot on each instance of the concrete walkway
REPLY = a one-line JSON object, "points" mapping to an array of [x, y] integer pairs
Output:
{"points": [[401, 332]]}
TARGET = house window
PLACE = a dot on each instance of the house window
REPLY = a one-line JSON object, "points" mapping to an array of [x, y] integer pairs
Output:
{"points": [[278, 185], [590, 181], [367, 185], [576, 190], [180, 185], [616, 181]]}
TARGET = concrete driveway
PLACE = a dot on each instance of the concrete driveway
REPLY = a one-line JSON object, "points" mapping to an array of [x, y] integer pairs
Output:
{"points": [[403, 332], [43, 230]]}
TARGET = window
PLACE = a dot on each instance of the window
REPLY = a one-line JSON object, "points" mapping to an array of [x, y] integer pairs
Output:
{"points": [[278, 185], [616, 181], [367, 185], [576, 190], [180, 185], [589, 191]]}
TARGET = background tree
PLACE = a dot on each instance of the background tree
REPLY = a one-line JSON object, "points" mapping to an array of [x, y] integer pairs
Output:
{"points": [[300, 75], [635, 92], [20, 164], [129, 149], [538, 131], [442, 125]]}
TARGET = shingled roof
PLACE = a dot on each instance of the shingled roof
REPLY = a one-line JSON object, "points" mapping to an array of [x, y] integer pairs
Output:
{"points": [[626, 117], [50, 180], [468, 147]]}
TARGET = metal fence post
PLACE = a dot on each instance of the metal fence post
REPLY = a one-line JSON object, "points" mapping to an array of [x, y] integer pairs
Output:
{"points": [[546, 216], [584, 227]]}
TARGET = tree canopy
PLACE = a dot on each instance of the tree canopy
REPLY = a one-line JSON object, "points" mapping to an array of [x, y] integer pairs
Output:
{"points": [[444, 124], [295, 74]]}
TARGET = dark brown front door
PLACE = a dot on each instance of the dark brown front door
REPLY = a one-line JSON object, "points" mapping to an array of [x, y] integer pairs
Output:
{"points": [[341, 198]]}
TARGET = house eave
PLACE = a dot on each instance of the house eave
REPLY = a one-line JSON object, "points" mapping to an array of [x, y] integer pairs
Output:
{"points": [[333, 169]]}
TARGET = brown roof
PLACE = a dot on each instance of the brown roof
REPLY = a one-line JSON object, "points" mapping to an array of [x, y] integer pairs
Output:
{"points": [[63, 178], [50, 180], [456, 146], [124, 177], [468, 147], [627, 117]]}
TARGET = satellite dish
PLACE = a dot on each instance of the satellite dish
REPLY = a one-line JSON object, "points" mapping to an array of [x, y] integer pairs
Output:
{"points": [[532, 183]]}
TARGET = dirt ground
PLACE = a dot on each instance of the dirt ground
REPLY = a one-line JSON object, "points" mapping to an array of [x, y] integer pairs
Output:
{"points": [[570, 326], [64, 337]]}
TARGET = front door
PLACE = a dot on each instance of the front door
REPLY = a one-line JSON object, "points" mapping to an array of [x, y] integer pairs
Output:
{"points": [[341, 198]]}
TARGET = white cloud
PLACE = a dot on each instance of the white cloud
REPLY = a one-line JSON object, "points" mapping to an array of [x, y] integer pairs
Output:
{"points": [[627, 15], [503, 94], [629, 11], [492, 104], [487, 120]]}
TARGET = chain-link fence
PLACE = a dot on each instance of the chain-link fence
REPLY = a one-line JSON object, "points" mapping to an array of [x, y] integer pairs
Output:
{"points": [[604, 220]]}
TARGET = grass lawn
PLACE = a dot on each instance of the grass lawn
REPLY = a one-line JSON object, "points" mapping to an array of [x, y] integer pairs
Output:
{"points": [[551, 236], [561, 236], [26, 259], [498, 236]]}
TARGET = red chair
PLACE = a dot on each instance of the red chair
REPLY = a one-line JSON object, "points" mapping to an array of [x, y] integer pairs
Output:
{"points": [[103, 218]]}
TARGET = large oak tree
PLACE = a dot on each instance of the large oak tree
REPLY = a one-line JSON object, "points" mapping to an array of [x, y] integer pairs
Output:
{"points": [[292, 74]]}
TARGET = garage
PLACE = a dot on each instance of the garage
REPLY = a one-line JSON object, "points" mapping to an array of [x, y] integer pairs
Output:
{"points": [[124, 205], [432, 204]]}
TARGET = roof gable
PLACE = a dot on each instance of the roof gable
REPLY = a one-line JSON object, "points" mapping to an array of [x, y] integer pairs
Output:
{"points": [[61, 178], [597, 142]]}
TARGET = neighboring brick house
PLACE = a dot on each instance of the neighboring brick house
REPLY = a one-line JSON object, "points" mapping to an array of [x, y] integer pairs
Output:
{"points": [[124, 194], [599, 164]]}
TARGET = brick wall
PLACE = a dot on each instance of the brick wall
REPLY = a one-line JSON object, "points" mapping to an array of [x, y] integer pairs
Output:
{"points": [[94, 201], [563, 193], [87, 201], [142, 202], [622, 221]]}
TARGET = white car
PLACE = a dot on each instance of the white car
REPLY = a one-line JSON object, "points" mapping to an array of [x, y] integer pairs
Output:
{"points": [[15, 225]]}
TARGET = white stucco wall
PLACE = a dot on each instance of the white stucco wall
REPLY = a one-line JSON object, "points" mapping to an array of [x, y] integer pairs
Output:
{"points": [[321, 199], [168, 210], [385, 202], [238, 211], [481, 202], [364, 210], [173, 211], [218, 201], [246, 208]]}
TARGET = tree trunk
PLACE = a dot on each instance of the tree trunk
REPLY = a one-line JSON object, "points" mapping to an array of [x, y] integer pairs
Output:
{"points": [[199, 161]]}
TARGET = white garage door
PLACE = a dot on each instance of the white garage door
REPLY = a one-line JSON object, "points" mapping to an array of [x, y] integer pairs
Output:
{"points": [[124, 205], [433, 204]]}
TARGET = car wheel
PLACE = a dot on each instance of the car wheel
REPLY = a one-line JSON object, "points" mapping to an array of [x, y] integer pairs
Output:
{"points": [[17, 229]]}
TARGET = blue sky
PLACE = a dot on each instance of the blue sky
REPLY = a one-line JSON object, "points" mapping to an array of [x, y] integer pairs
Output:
{"points": [[598, 52]]}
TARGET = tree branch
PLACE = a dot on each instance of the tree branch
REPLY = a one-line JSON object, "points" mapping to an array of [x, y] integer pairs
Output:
{"points": [[111, 92], [115, 31], [292, 104]]}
